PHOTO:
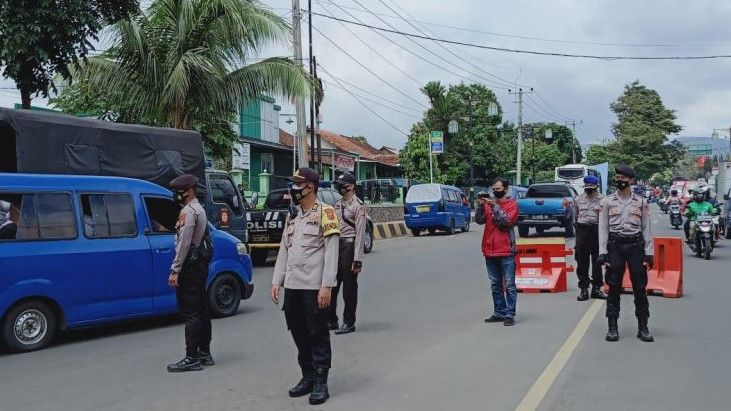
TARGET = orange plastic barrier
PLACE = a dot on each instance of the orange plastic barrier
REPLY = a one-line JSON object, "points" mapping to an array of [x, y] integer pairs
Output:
{"points": [[666, 277], [540, 265]]}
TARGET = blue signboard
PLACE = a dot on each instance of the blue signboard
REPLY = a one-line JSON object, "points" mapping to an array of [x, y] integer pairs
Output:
{"points": [[436, 142]]}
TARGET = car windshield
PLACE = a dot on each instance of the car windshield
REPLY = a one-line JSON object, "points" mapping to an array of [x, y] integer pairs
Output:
{"points": [[423, 193], [571, 173], [548, 191]]}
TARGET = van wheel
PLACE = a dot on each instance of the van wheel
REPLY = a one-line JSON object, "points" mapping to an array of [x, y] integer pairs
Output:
{"points": [[415, 232], [523, 230], [29, 326], [450, 229], [259, 257], [224, 296], [466, 227], [368, 240]]}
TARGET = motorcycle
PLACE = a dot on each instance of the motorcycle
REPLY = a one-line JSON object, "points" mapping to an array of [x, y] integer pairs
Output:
{"points": [[675, 219], [663, 206], [701, 236], [720, 222]]}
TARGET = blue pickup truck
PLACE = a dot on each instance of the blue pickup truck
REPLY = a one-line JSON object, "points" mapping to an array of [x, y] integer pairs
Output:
{"points": [[547, 205]]}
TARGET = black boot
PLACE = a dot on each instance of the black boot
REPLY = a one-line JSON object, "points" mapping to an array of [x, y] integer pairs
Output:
{"points": [[642, 332], [597, 293], [333, 325], [583, 295], [320, 393], [613, 332], [205, 358], [305, 385], [346, 329], [189, 363]]}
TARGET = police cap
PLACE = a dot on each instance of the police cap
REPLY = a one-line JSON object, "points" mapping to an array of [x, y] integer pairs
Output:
{"points": [[346, 178], [624, 170], [591, 180], [184, 182], [305, 174]]}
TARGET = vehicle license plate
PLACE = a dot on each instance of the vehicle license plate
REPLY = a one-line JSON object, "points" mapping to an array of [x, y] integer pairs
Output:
{"points": [[540, 217], [423, 209]]}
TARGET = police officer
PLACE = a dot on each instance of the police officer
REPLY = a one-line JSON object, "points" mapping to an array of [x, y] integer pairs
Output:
{"points": [[307, 266], [625, 239], [188, 274], [586, 215], [352, 217]]}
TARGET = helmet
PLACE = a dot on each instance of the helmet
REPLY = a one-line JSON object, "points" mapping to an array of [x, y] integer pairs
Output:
{"points": [[700, 194]]}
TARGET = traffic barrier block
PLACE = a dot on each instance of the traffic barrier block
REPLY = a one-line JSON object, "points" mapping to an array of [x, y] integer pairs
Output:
{"points": [[540, 265], [666, 277], [391, 229]]}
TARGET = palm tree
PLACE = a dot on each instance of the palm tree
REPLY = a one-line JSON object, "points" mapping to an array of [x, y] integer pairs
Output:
{"points": [[435, 91], [181, 62]]}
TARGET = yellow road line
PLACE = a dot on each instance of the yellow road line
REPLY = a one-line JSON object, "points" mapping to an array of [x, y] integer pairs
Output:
{"points": [[535, 395]]}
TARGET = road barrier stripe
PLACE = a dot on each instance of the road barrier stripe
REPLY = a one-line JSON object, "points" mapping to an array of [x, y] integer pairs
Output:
{"points": [[538, 391], [390, 229]]}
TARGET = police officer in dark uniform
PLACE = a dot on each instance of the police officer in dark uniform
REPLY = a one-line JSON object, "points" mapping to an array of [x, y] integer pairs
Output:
{"points": [[188, 274], [306, 266], [352, 215], [625, 240], [586, 215]]}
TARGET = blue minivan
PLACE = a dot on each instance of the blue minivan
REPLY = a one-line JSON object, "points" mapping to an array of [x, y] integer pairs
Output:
{"points": [[434, 207], [88, 250]]}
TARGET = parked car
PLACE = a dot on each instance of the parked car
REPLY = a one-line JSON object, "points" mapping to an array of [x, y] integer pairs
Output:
{"points": [[547, 205], [92, 250], [434, 207], [266, 226]]}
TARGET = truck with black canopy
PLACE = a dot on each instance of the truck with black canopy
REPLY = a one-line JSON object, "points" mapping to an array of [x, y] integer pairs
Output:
{"points": [[36, 142]]}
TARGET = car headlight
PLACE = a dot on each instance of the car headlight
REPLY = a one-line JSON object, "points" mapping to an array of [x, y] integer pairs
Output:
{"points": [[241, 248]]}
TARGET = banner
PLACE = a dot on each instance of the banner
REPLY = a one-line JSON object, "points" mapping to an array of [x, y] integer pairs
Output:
{"points": [[345, 163]]}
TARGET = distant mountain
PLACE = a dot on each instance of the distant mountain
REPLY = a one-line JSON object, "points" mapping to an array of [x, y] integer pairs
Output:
{"points": [[720, 146]]}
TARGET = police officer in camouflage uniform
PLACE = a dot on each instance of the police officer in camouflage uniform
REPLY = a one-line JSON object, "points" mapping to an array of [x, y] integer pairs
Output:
{"points": [[586, 215], [188, 275], [625, 240], [307, 266], [352, 216]]}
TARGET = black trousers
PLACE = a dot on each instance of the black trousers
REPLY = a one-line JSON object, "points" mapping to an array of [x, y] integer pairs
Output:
{"points": [[308, 325], [630, 255], [587, 251], [193, 307], [349, 282]]}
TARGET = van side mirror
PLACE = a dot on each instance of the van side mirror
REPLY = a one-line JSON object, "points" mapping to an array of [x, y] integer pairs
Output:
{"points": [[255, 198]]}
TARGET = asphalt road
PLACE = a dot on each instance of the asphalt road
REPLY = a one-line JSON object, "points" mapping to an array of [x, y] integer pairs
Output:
{"points": [[421, 344]]}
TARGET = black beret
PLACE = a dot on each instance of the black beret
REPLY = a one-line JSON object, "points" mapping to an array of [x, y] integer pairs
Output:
{"points": [[624, 170], [184, 182], [346, 178], [305, 174]]}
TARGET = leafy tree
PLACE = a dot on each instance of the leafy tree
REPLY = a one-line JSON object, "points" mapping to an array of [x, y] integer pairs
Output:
{"points": [[415, 156], [39, 39], [362, 139], [597, 154], [561, 136], [180, 64]]}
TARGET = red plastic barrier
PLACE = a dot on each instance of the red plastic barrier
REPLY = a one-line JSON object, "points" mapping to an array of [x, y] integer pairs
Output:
{"points": [[666, 277], [540, 265]]}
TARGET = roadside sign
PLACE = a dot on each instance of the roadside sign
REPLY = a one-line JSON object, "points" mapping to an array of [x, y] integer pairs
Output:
{"points": [[345, 163], [436, 142], [453, 127], [241, 156]]}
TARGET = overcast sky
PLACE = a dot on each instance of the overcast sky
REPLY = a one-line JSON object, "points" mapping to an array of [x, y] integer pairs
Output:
{"points": [[566, 88]]}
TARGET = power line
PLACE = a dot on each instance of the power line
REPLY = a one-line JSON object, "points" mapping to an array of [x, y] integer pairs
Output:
{"points": [[366, 68], [542, 39], [338, 86], [521, 51], [549, 114], [565, 117]]}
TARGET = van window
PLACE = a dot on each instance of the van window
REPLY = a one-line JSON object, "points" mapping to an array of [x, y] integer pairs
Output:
{"points": [[108, 215], [423, 193], [453, 196], [47, 216], [224, 192], [162, 214]]}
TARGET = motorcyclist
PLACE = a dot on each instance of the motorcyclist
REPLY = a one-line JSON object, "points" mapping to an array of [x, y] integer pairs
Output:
{"points": [[697, 207], [673, 198]]}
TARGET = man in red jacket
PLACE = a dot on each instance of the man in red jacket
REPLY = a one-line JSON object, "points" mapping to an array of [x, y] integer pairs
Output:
{"points": [[498, 246]]}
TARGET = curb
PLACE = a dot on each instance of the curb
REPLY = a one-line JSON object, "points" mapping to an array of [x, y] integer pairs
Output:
{"points": [[382, 231]]}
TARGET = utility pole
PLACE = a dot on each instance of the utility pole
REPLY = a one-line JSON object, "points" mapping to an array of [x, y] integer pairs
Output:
{"points": [[300, 141], [519, 162], [573, 124], [312, 91]]}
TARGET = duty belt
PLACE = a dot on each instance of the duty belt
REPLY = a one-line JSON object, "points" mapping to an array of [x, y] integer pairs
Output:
{"points": [[625, 238], [587, 225], [347, 240]]}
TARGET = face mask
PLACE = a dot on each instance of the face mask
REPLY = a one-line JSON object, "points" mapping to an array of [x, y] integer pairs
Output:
{"points": [[590, 190], [180, 196], [499, 194], [297, 194], [621, 184]]}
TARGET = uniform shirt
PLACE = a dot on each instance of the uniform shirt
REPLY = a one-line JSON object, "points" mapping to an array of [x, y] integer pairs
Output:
{"points": [[189, 229], [352, 216], [624, 216], [308, 254], [587, 209]]}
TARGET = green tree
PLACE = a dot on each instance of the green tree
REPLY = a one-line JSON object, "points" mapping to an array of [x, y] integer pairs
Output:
{"points": [[362, 139], [415, 156], [181, 64], [40, 39]]}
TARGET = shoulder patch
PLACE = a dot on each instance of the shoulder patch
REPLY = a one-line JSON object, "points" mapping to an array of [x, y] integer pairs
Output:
{"points": [[329, 221]]}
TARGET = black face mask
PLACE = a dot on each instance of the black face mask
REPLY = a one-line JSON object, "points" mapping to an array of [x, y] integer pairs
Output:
{"points": [[297, 194], [590, 190], [621, 184], [180, 196], [341, 188], [498, 194]]}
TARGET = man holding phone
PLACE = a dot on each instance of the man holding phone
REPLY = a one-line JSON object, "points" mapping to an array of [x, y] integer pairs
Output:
{"points": [[499, 214]]}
